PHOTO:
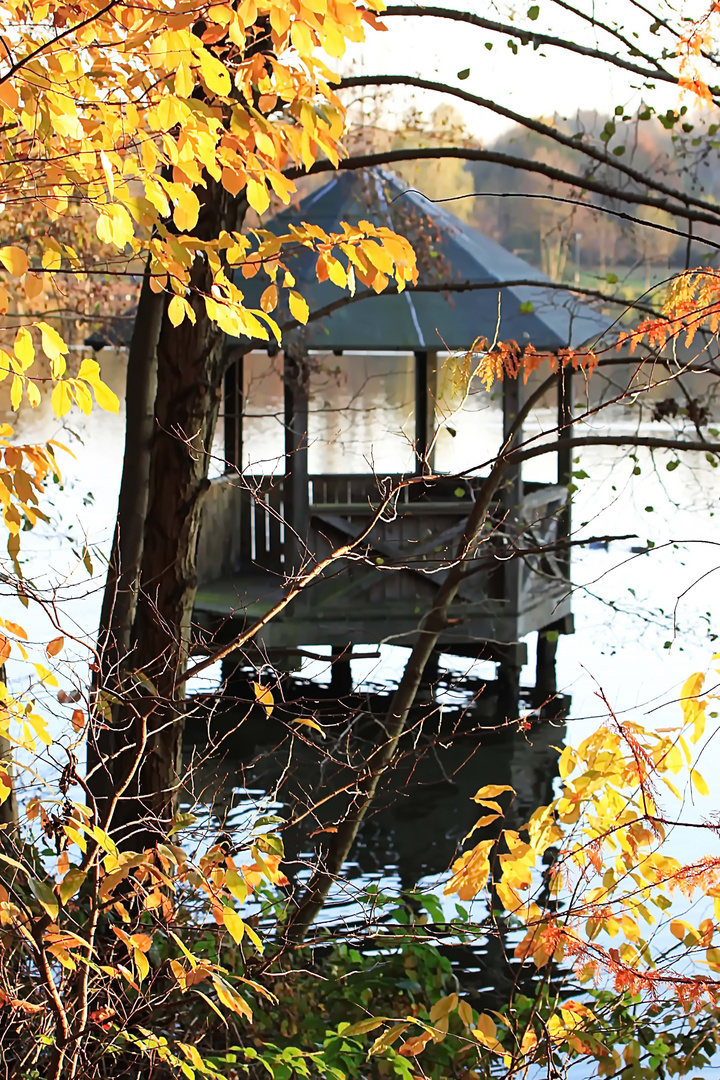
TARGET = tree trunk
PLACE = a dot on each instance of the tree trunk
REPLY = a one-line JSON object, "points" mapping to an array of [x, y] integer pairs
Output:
{"points": [[121, 585], [150, 721]]}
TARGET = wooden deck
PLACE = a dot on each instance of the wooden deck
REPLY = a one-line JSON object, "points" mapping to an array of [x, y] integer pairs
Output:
{"points": [[247, 553]]}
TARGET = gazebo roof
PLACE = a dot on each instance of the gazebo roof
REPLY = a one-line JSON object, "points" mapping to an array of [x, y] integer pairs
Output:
{"points": [[448, 250]]}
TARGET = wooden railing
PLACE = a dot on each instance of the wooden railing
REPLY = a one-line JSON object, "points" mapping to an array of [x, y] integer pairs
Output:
{"points": [[244, 531]]}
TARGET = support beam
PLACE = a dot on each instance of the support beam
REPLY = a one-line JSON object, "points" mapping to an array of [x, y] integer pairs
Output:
{"points": [[421, 410], [233, 389], [297, 508], [564, 459], [340, 671], [425, 396], [513, 397], [545, 671]]}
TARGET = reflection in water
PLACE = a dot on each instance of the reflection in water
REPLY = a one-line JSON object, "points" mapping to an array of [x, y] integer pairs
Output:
{"points": [[423, 811], [424, 806]]}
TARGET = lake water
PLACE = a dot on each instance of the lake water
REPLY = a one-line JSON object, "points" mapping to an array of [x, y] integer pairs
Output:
{"points": [[644, 622]]}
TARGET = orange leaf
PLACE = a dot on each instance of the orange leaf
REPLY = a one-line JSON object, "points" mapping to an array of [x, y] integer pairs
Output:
{"points": [[55, 646], [416, 1045]]}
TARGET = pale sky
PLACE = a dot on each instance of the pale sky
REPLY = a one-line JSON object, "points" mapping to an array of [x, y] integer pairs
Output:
{"points": [[538, 83]]}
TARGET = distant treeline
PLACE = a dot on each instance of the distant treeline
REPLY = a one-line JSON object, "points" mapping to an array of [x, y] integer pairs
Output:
{"points": [[564, 240]]}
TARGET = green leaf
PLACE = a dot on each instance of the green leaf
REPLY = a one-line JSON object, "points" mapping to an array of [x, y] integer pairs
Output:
{"points": [[672, 465], [45, 897], [533, 12], [612, 279], [182, 821], [71, 883], [464, 74], [363, 1026], [527, 307]]}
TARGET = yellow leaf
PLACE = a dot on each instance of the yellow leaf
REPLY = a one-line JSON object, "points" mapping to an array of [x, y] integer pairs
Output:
{"points": [[142, 965], [235, 884], [176, 310], [106, 398], [33, 285], [699, 783], [269, 299], [234, 924], [486, 1032], [298, 307], [6, 785], [61, 399], [53, 345], [257, 195], [307, 722], [107, 169], [252, 934], [264, 697], [184, 82], [231, 999], [491, 791], [16, 389], [186, 209], [23, 348], [45, 675], [302, 38], [214, 73], [443, 1006], [465, 1013], [14, 259], [51, 259]]}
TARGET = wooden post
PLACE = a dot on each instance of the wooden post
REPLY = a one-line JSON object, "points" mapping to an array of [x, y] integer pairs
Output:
{"points": [[421, 410], [513, 393], [564, 460], [545, 670], [340, 670], [425, 394], [297, 508], [233, 414]]}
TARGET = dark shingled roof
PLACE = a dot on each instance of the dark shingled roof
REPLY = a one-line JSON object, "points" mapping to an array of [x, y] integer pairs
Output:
{"points": [[448, 249]]}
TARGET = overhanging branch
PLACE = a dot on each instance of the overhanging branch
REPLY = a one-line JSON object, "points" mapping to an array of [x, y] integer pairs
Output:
{"points": [[573, 143], [532, 37], [561, 176]]}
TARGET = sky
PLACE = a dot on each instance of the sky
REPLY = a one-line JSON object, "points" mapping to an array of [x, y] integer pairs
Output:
{"points": [[538, 83]]}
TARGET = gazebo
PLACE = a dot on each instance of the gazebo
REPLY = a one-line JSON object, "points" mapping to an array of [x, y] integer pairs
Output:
{"points": [[260, 529]]}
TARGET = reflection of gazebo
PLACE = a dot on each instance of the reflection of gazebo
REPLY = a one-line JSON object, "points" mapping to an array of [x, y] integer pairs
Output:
{"points": [[259, 529]]}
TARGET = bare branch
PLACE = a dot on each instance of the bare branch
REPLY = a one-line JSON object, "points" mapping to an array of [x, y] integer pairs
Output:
{"points": [[641, 178], [562, 176], [533, 37]]}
